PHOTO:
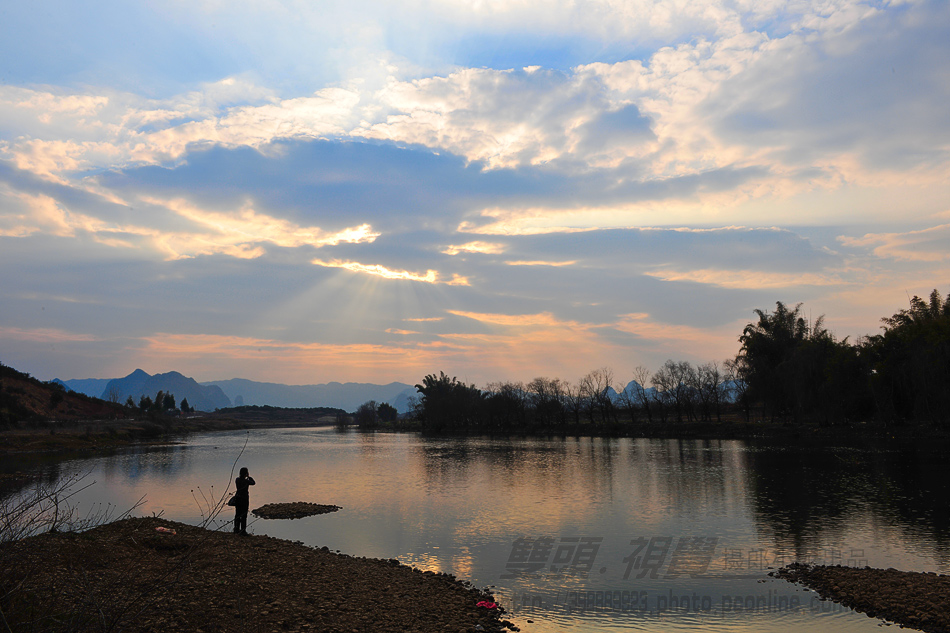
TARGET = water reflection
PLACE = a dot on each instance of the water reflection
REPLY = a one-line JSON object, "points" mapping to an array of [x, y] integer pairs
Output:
{"points": [[804, 495], [463, 505]]}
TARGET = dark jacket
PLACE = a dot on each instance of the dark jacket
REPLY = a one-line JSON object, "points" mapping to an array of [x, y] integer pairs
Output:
{"points": [[243, 498]]}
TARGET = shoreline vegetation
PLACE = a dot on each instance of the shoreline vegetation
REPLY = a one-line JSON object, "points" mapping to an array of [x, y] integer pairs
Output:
{"points": [[127, 575], [101, 436]]}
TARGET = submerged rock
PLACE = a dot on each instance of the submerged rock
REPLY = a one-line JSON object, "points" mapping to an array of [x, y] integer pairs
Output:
{"points": [[295, 510]]}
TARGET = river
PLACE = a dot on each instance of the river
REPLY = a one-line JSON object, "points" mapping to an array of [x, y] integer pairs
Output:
{"points": [[578, 534]]}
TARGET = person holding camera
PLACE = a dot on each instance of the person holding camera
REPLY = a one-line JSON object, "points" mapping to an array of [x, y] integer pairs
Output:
{"points": [[242, 500]]}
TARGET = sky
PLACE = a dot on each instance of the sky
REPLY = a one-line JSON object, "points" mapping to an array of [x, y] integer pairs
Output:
{"points": [[373, 191]]}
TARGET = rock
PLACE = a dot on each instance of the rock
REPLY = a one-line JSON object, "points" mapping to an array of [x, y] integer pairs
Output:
{"points": [[918, 600], [294, 510]]}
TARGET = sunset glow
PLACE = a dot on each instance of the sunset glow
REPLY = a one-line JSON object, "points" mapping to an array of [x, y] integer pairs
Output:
{"points": [[497, 190]]}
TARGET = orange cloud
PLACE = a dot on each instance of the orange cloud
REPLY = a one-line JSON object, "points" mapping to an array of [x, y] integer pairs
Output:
{"points": [[682, 339], [216, 356], [747, 279], [44, 335], [515, 320], [927, 245]]}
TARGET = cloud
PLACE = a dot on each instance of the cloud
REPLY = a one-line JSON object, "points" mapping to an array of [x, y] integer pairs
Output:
{"points": [[674, 339], [700, 120], [44, 335], [801, 96], [553, 186], [238, 233], [748, 278], [812, 96], [235, 232], [507, 118], [926, 245], [513, 320], [485, 248], [430, 276], [649, 249], [541, 263], [324, 114], [217, 355]]}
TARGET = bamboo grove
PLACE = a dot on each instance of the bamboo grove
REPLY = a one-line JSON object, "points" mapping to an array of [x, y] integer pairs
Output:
{"points": [[788, 369]]}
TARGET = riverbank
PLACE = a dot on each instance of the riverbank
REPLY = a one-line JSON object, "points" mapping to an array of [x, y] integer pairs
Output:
{"points": [[911, 599], [83, 437], [131, 576], [79, 436]]}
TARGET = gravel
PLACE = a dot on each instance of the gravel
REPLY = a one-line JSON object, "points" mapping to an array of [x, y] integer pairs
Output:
{"points": [[129, 576], [912, 599]]}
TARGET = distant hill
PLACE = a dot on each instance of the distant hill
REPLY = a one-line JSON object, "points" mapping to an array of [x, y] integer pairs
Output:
{"points": [[139, 383], [219, 394], [23, 397], [348, 396], [92, 387]]}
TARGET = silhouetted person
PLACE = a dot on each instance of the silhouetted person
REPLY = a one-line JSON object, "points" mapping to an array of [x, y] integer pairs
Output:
{"points": [[243, 501]]}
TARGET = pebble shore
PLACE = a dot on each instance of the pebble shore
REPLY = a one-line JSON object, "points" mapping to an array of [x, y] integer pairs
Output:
{"points": [[129, 575], [911, 599]]}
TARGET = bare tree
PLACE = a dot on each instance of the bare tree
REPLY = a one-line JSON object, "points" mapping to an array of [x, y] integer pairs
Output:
{"points": [[641, 376], [709, 387], [574, 398], [114, 394], [506, 404], [546, 397], [664, 383], [596, 387]]}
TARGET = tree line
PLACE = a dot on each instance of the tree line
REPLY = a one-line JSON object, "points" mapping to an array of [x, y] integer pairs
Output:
{"points": [[796, 370], [788, 369], [677, 392], [164, 402]]}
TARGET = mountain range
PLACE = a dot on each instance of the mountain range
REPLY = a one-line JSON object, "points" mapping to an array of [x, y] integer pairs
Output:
{"points": [[348, 396], [219, 394]]}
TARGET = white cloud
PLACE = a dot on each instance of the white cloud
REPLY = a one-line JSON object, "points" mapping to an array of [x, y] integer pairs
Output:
{"points": [[505, 118], [58, 134], [240, 232], [541, 263], [485, 248], [685, 109], [378, 270]]}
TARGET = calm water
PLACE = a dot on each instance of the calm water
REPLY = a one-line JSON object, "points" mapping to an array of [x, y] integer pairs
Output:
{"points": [[576, 534]]}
